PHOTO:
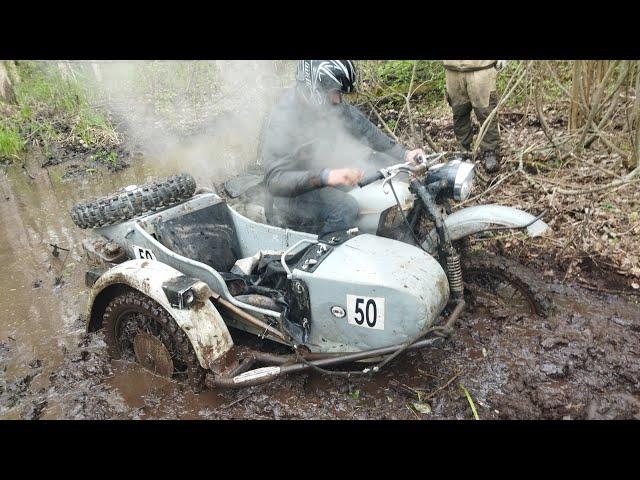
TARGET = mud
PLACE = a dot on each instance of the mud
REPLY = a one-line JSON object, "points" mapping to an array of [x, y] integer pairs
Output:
{"points": [[582, 362]]}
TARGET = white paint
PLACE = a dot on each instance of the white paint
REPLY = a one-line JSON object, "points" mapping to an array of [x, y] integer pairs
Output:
{"points": [[257, 373]]}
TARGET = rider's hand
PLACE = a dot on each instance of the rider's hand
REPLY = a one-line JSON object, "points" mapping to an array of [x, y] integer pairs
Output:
{"points": [[501, 64], [344, 176], [412, 155]]}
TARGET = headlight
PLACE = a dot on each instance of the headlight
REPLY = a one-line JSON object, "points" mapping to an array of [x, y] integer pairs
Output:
{"points": [[463, 181], [454, 178]]}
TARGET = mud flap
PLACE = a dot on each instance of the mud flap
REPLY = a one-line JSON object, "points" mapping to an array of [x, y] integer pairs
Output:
{"points": [[471, 220], [201, 322]]}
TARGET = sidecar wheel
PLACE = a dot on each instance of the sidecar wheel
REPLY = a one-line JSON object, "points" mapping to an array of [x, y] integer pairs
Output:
{"points": [[511, 284], [129, 204], [136, 328]]}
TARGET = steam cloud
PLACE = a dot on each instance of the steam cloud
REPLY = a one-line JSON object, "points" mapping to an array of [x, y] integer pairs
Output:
{"points": [[206, 117]]}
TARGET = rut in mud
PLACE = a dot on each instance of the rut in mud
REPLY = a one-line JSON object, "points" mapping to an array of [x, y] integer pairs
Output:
{"points": [[580, 362]]}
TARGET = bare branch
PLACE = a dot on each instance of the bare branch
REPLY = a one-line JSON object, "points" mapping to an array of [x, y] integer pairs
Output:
{"points": [[383, 122], [595, 104]]}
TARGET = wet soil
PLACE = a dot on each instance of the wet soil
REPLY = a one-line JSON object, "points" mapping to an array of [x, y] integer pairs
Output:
{"points": [[581, 362]]}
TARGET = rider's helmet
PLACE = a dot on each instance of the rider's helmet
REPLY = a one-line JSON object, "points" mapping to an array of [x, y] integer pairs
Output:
{"points": [[316, 78]]}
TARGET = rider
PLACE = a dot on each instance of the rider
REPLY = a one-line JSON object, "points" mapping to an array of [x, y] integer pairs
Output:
{"points": [[310, 137]]}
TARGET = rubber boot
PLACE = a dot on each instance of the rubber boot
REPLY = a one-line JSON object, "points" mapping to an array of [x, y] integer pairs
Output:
{"points": [[491, 161]]}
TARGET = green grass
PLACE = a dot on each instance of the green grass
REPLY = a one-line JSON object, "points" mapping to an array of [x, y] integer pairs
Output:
{"points": [[11, 144], [57, 109], [44, 84], [106, 158], [53, 108]]}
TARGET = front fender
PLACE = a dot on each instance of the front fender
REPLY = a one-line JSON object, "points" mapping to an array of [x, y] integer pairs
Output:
{"points": [[202, 323], [470, 220]]}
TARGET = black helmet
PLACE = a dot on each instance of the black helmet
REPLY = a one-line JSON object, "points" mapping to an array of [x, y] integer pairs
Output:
{"points": [[318, 77]]}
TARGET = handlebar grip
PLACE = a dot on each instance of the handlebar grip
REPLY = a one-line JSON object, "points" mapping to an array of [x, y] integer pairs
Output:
{"points": [[370, 179]]}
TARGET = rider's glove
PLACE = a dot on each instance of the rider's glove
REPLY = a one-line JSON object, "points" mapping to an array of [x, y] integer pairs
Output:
{"points": [[500, 64]]}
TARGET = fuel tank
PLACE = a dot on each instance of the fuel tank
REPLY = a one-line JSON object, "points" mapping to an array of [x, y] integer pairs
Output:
{"points": [[373, 200], [372, 292]]}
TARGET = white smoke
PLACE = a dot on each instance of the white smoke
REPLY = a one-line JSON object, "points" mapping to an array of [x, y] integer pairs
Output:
{"points": [[203, 117]]}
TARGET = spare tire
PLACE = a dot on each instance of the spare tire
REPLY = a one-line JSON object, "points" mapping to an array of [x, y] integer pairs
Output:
{"points": [[132, 202]]}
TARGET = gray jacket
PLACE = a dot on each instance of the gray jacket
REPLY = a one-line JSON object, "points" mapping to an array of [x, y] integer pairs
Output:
{"points": [[299, 144]]}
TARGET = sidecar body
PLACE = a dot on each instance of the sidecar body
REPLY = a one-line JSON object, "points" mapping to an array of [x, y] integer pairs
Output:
{"points": [[345, 292]]}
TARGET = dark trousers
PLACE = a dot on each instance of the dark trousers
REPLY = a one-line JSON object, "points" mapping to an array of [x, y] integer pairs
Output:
{"points": [[327, 209], [463, 127]]}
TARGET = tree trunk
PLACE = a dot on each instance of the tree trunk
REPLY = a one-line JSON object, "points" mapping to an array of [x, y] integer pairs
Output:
{"points": [[6, 89], [635, 132], [586, 83], [12, 70], [574, 111]]}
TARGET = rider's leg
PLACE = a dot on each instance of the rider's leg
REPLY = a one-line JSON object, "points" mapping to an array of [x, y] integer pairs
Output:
{"points": [[339, 210], [330, 207]]}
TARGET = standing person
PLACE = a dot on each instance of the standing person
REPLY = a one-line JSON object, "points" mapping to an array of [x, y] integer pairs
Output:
{"points": [[306, 151], [471, 84]]}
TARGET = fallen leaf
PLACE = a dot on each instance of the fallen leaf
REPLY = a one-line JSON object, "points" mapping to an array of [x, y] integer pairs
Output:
{"points": [[422, 407]]}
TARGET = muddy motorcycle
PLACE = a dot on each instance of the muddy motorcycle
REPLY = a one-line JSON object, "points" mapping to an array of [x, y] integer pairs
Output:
{"points": [[172, 269], [412, 203]]}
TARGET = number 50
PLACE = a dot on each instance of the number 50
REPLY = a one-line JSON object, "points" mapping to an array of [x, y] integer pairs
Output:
{"points": [[369, 314]]}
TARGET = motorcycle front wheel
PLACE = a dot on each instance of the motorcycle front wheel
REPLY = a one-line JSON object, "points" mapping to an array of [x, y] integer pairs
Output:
{"points": [[498, 282]]}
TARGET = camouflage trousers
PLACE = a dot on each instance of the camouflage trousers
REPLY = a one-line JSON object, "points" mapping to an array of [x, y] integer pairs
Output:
{"points": [[475, 91]]}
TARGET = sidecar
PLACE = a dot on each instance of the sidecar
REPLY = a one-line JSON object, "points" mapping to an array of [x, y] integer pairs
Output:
{"points": [[169, 279]]}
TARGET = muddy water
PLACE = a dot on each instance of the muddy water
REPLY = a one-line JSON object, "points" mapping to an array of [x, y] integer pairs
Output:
{"points": [[42, 296], [581, 362]]}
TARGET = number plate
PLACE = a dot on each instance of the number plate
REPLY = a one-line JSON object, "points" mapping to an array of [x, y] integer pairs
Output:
{"points": [[143, 253], [367, 312]]}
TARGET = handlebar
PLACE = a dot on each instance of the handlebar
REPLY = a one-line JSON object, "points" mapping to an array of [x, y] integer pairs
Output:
{"points": [[375, 176], [424, 162]]}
